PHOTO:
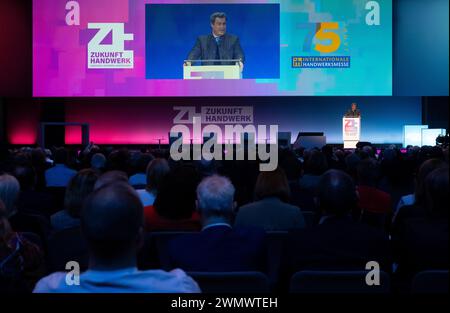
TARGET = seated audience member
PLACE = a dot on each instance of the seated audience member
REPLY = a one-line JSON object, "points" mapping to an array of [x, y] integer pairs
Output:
{"points": [[20, 221], [30, 199], [111, 222], [9, 193], [207, 168], [291, 165], [219, 246], [140, 163], [98, 163], [413, 204], [422, 242], [351, 163], [396, 178], [78, 189], [118, 160], [174, 207], [271, 210], [21, 262], [40, 164], [371, 199], [337, 242], [157, 169], [315, 165], [60, 174], [332, 158], [111, 177]]}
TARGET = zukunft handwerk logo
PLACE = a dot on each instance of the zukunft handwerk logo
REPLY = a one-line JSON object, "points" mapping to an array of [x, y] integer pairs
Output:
{"points": [[259, 144]]}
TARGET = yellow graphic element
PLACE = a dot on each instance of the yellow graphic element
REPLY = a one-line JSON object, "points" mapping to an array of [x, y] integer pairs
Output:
{"points": [[324, 35], [297, 62]]}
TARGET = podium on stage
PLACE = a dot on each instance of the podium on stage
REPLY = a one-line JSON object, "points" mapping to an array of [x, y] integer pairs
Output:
{"points": [[351, 131], [208, 71]]}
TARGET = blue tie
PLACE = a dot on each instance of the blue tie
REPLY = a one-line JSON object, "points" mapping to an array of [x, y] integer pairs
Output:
{"points": [[217, 49]]}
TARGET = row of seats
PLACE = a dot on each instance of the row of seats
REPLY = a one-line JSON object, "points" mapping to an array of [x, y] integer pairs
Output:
{"points": [[304, 281], [331, 282]]}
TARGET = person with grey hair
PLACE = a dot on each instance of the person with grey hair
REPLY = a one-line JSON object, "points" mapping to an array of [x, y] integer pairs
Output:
{"points": [[219, 45], [219, 246], [9, 193]]}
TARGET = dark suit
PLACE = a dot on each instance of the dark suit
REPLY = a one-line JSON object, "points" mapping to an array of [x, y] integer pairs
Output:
{"points": [[271, 214], [351, 113], [206, 46], [336, 244], [217, 249]]}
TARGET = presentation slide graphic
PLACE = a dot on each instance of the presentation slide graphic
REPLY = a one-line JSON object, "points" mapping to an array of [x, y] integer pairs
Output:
{"points": [[109, 48]]}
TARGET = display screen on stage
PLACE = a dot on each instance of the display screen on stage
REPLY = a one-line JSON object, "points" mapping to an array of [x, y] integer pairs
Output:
{"points": [[211, 48]]}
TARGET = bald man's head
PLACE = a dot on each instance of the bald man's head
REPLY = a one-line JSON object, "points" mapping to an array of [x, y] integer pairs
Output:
{"points": [[336, 193], [112, 219], [111, 177]]}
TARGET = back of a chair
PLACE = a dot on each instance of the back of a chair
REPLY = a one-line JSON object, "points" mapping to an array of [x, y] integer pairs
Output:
{"points": [[64, 246], [58, 194], [275, 247], [378, 220], [432, 281], [30, 223], [309, 217], [231, 282], [337, 282], [304, 199], [33, 238], [154, 248]]}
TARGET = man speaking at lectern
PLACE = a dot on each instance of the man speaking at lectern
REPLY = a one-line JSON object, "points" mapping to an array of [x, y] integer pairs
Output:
{"points": [[353, 112], [218, 45]]}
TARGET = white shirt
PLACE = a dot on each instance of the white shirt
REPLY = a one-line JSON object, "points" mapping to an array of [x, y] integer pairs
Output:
{"points": [[128, 280]]}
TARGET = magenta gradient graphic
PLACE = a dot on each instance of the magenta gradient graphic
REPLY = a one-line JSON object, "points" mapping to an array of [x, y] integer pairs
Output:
{"points": [[60, 55]]}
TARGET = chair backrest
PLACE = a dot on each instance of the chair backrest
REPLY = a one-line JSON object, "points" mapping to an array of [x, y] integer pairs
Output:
{"points": [[155, 243], [304, 199], [378, 220], [64, 246], [30, 223], [58, 194], [275, 245], [309, 217], [231, 282], [33, 238], [430, 282], [337, 282]]}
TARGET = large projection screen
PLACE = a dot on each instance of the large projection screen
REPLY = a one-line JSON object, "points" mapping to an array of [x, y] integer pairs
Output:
{"points": [[122, 48]]}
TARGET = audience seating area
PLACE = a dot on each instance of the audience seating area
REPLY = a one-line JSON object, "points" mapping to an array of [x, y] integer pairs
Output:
{"points": [[56, 240]]}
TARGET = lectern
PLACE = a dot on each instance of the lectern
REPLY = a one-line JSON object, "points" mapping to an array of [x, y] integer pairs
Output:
{"points": [[209, 71], [351, 131]]}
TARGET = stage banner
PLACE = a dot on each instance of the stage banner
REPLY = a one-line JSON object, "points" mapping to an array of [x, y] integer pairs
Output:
{"points": [[351, 128]]}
